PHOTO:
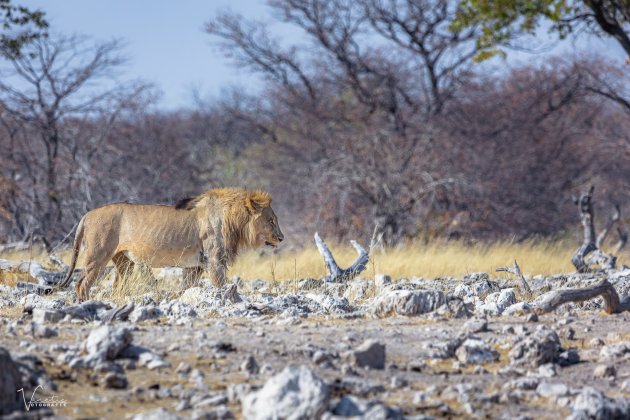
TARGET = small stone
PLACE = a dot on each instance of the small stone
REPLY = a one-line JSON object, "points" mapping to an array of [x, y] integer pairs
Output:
{"points": [[547, 389], [507, 329], [565, 321], [144, 313], [42, 331], [320, 357], [42, 315], [531, 317], [605, 371], [250, 366], [548, 370], [596, 342], [569, 357], [183, 368], [115, 381], [474, 351], [157, 364], [568, 333], [369, 354], [475, 325], [107, 367], [398, 382], [382, 280]]}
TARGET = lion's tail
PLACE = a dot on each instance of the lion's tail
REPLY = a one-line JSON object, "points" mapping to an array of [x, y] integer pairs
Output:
{"points": [[76, 246]]}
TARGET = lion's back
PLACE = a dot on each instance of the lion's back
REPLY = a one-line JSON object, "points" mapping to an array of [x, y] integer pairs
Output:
{"points": [[143, 229]]}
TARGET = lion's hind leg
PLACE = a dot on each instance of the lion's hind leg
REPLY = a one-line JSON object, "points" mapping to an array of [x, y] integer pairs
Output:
{"points": [[93, 268]]}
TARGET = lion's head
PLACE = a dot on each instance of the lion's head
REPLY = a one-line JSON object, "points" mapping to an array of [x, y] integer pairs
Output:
{"points": [[262, 227], [248, 219]]}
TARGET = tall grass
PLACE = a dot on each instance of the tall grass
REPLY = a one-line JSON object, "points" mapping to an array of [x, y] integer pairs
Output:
{"points": [[454, 259]]}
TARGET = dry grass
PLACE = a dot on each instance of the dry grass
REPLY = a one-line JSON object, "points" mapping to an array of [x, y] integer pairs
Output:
{"points": [[414, 260]]}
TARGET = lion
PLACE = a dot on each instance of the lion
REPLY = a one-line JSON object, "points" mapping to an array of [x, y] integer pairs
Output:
{"points": [[201, 233]]}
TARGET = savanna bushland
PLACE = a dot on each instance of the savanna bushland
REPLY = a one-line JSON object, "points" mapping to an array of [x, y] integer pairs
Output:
{"points": [[489, 198]]}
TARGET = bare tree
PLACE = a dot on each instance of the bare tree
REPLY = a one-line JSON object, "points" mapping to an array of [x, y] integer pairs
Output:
{"points": [[48, 95]]}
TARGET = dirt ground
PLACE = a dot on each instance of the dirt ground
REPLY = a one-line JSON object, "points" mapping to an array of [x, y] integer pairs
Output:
{"points": [[422, 386]]}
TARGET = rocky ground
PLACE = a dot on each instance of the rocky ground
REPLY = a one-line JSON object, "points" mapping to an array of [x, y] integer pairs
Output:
{"points": [[411, 348]]}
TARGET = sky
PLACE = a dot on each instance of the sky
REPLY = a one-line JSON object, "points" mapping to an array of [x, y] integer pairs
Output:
{"points": [[167, 45], [165, 40]]}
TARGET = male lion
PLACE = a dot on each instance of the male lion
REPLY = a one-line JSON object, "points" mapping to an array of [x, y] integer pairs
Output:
{"points": [[205, 232]]}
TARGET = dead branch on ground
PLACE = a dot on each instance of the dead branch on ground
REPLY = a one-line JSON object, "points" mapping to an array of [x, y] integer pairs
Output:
{"points": [[612, 303], [336, 273], [516, 270]]}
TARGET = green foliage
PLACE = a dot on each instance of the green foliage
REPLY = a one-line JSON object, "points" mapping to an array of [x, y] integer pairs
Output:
{"points": [[19, 26], [502, 21]]}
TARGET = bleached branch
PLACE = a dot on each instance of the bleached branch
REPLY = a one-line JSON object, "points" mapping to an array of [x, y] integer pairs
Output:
{"points": [[336, 273]]}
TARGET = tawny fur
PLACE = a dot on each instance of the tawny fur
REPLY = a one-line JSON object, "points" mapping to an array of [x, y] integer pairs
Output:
{"points": [[201, 233]]}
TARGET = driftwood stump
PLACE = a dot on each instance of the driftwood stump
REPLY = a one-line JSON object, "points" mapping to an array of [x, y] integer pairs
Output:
{"points": [[589, 253]]}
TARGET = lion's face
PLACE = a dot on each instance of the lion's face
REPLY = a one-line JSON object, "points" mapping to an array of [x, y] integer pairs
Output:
{"points": [[266, 229]]}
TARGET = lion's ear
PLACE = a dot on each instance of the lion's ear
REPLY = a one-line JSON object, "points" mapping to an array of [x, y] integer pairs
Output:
{"points": [[255, 202]]}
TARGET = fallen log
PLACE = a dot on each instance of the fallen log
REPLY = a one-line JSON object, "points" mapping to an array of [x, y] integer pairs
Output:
{"points": [[612, 303], [336, 273]]}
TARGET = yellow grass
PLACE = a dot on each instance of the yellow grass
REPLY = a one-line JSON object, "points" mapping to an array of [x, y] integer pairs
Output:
{"points": [[453, 259], [415, 260]]}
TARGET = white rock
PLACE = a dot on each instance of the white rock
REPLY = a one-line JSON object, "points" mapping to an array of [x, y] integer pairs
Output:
{"points": [[496, 303], [106, 341], [294, 393], [369, 354], [543, 346], [382, 280], [475, 351], [408, 302], [593, 404], [519, 308], [613, 351], [43, 316], [143, 313], [548, 389]]}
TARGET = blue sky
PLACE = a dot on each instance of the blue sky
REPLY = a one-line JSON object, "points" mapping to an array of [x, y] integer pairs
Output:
{"points": [[168, 46], [165, 40]]}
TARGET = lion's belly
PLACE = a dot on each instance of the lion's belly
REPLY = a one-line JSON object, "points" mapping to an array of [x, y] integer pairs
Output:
{"points": [[164, 257]]}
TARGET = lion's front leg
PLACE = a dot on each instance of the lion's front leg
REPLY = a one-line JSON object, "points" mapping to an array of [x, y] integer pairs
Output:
{"points": [[214, 259]]}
